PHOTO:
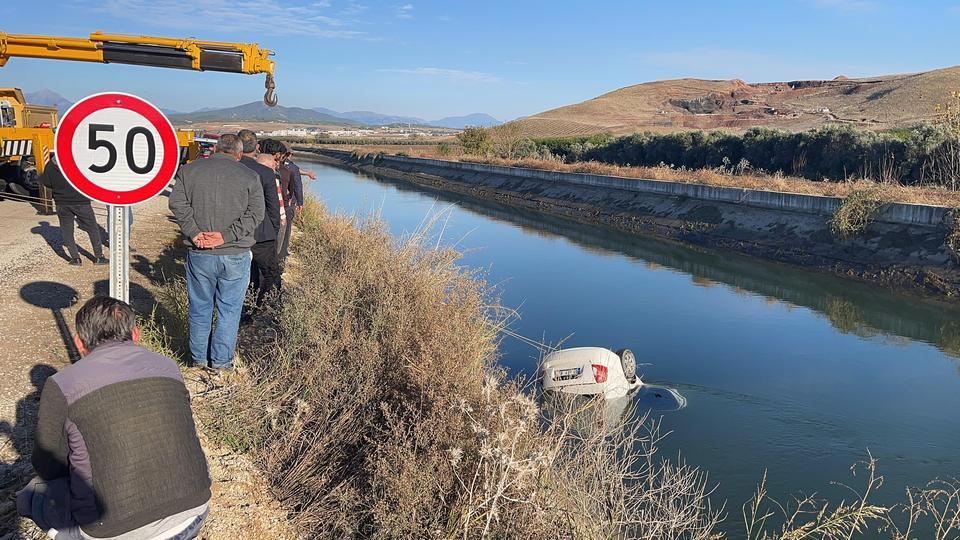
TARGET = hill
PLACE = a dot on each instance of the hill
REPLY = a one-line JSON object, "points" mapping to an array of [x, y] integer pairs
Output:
{"points": [[460, 122], [662, 106], [258, 112], [372, 118], [50, 98]]}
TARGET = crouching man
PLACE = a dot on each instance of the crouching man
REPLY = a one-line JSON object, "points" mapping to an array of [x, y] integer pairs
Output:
{"points": [[115, 450]]}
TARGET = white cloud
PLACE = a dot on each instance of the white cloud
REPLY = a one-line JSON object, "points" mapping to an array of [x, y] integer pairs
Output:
{"points": [[849, 6], [405, 11], [271, 17], [451, 74]]}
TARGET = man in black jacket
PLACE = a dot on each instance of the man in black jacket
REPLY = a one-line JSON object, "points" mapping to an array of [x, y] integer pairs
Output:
{"points": [[116, 450], [72, 205], [266, 264]]}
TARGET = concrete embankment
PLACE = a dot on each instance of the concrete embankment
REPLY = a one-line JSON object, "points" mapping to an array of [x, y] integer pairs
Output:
{"points": [[903, 247]]}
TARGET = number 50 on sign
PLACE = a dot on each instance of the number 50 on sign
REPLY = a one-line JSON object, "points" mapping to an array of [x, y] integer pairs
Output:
{"points": [[117, 148]]}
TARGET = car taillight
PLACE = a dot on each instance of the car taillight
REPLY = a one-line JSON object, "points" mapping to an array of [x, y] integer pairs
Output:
{"points": [[599, 373]]}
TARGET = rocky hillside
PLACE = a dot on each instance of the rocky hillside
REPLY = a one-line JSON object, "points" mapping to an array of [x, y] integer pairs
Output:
{"points": [[662, 106]]}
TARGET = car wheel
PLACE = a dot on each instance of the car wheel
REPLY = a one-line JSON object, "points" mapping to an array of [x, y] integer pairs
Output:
{"points": [[629, 364]]}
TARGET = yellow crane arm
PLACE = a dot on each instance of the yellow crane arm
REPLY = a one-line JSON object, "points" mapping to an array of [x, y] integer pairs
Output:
{"points": [[104, 48]]}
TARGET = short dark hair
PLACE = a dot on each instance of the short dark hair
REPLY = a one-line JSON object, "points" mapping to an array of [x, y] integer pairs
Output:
{"points": [[228, 143], [272, 146], [249, 139], [103, 319]]}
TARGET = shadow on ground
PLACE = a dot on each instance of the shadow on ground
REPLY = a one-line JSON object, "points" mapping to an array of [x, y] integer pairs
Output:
{"points": [[19, 436]]}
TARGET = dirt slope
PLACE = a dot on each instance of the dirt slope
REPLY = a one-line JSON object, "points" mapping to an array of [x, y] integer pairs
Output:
{"points": [[663, 106]]}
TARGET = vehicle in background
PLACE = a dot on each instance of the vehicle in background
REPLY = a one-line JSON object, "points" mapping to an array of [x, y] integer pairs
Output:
{"points": [[591, 371], [207, 144]]}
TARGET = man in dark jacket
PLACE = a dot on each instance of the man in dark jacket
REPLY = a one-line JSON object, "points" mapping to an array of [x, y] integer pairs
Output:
{"points": [[265, 261], [218, 204], [72, 205], [291, 184], [115, 449]]}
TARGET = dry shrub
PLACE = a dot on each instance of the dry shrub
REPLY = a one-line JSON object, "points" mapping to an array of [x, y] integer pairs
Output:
{"points": [[857, 211], [378, 412], [167, 329], [952, 241]]}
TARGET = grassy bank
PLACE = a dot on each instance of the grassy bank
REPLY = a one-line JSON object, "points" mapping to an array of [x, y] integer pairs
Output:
{"points": [[933, 195], [376, 410]]}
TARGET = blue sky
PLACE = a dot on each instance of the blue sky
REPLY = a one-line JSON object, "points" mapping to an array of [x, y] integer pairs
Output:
{"points": [[505, 58]]}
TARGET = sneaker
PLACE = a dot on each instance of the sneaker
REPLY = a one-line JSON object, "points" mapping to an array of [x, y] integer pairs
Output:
{"points": [[100, 261], [75, 261]]}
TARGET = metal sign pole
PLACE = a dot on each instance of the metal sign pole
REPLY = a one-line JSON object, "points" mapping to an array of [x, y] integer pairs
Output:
{"points": [[119, 219]]}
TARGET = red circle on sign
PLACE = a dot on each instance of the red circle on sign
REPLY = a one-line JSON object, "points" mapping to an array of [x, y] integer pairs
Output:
{"points": [[91, 104]]}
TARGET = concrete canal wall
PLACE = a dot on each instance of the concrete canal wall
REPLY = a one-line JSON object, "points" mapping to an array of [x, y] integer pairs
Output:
{"points": [[903, 247]]}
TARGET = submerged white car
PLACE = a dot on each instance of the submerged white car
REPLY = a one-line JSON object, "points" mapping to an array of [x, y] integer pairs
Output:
{"points": [[591, 371]]}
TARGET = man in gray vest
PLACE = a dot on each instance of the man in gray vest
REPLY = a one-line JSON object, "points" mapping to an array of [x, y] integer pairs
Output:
{"points": [[116, 450], [218, 204]]}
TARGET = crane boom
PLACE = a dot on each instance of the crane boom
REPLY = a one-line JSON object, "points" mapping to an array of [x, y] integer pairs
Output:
{"points": [[193, 54]]}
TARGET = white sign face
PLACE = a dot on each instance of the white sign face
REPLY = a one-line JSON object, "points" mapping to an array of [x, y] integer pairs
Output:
{"points": [[117, 148]]}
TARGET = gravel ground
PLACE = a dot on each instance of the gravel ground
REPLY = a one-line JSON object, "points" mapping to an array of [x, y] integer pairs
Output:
{"points": [[39, 294]]}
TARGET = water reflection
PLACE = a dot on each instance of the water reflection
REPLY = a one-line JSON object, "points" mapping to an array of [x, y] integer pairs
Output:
{"points": [[850, 306]]}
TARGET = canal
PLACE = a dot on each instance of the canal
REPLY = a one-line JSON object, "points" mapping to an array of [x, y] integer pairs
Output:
{"points": [[787, 371]]}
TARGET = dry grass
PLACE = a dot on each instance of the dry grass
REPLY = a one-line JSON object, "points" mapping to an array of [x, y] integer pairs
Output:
{"points": [[377, 412], [888, 192], [932, 511]]}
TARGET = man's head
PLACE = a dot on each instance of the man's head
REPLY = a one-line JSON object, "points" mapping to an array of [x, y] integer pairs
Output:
{"points": [[228, 143], [272, 148], [103, 319], [249, 140]]}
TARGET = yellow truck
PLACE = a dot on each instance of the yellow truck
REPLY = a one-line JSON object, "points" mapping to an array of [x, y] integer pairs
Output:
{"points": [[26, 131]]}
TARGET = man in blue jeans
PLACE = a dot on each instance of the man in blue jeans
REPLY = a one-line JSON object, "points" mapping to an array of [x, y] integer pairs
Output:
{"points": [[218, 204]]}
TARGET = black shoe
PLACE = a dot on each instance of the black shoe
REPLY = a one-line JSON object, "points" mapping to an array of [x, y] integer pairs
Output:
{"points": [[75, 261], [100, 261]]}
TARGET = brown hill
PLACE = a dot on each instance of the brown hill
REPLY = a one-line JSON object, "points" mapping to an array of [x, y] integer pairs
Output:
{"points": [[663, 106]]}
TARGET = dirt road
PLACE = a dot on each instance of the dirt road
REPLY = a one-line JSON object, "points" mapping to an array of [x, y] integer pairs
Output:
{"points": [[39, 294]]}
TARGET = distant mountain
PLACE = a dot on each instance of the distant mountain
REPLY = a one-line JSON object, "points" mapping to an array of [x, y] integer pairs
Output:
{"points": [[460, 122], [374, 118], [377, 119], [50, 98], [258, 112]]}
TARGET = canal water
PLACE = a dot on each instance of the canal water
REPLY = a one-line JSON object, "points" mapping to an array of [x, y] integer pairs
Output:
{"points": [[787, 371]]}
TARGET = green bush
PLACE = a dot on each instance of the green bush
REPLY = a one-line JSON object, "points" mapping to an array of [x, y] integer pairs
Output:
{"points": [[919, 154]]}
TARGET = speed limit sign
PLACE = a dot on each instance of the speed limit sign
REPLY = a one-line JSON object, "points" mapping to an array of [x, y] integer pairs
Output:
{"points": [[120, 150], [117, 148]]}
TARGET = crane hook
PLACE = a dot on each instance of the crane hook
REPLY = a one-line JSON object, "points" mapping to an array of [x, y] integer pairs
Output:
{"points": [[269, 99]]}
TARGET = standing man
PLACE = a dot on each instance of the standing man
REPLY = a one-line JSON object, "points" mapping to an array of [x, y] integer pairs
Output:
{"points": [[218, 205], [265, 261], [116, 450], [292, 183], [72, 205]]}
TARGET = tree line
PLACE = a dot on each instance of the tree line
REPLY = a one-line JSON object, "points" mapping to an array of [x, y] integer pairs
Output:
{"points": [[925, 153]]}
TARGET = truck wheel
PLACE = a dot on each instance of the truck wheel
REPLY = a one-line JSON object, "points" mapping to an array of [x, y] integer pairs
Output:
{"points": [[629, 364]]}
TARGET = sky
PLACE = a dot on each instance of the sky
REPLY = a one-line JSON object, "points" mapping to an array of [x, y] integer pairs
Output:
{"points": [[506, 58]]}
